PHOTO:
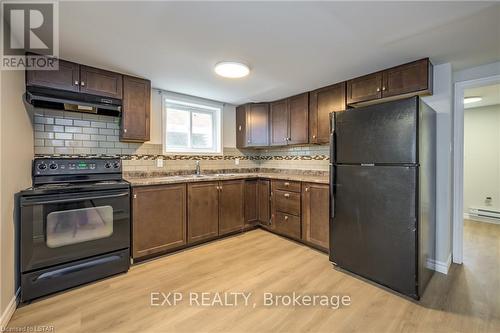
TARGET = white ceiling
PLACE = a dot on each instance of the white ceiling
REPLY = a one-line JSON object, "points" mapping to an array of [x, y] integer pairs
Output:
{"points": [[490, 96], [291, 46]]}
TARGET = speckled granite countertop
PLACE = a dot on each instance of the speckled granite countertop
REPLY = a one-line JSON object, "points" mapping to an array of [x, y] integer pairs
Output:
{"points": [[159, 180]]}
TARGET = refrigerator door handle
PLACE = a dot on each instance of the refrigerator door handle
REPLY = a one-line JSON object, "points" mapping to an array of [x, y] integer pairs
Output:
{"points": [[332, 191], [332, 138]]}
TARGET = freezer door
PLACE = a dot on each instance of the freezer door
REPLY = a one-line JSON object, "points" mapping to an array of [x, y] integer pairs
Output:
{"points": [[372, 230], [381, 134]]}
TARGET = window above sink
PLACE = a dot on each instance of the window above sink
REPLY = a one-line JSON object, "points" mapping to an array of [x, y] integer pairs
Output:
{"points": [[191, 125]]}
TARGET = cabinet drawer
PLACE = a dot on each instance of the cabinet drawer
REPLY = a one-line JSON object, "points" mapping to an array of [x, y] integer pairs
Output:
{"points": [[287, 224], [286, 185], [287, 202]]}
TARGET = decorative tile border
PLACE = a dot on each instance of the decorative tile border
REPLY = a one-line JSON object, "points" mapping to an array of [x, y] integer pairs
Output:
{"points": [[136, 157]]}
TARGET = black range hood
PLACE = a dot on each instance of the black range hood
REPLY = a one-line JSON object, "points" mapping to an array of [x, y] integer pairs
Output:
{"points": [[70, 101]]}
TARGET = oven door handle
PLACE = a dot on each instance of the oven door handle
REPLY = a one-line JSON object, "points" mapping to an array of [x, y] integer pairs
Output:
{"points": [[83, 198]]}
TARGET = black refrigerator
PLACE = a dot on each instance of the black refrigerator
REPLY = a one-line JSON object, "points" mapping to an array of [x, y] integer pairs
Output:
{"points": [[382, 200]]}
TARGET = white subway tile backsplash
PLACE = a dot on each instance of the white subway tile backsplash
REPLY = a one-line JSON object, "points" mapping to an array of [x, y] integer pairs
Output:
{"points": [[98, 137], [90, 130], [43, 135], [106, 131], [78, 136], [54, 128], [64, 136], [43, 120], [98, 124], [81, 123], [72, 129], [66, 122], [54, 143]]}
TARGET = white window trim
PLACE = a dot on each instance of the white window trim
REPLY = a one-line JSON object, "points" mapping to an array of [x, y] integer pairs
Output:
{"points": [[211, 106]]}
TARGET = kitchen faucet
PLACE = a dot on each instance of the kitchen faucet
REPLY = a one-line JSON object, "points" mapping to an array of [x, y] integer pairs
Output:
{"points": [[198, 170]]}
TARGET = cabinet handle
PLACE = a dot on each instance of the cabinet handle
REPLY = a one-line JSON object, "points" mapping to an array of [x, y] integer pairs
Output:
{"points": [[286, 184], [288, 139], [82, 84], [286, 218], [76, 82], [220, 188], [314, 136], [378, 89], [287, 195], [217, 188], [135, 196], [249, 141], [307, 189], [239, 128], [124, 130]]}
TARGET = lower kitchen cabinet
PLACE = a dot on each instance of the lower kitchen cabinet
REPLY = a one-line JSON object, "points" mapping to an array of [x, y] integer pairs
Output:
{"points": [[203, 211], [263, 201], [285, 208], [315, 214], [251, 217], [231, 206], [159, 218]]}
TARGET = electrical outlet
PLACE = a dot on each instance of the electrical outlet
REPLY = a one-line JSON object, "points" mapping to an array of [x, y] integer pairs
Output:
{"points": [[236, 161], [159, 163]]}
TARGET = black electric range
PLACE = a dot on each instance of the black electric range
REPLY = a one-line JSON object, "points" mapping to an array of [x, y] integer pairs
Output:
{"points": [[74, 224]]}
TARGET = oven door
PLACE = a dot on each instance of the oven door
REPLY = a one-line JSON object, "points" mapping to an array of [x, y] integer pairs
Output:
{"points": [[59, 228]]}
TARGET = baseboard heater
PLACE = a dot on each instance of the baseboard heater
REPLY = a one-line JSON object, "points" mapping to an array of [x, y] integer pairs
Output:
{"points": [[485, 213]]}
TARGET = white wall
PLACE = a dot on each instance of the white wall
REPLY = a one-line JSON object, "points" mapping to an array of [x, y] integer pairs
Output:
{"points": [[477, 72], [228, 122], [16, 154], [481, 156], [441, 102]]}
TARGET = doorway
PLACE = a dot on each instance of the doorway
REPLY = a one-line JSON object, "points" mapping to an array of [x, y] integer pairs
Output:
{"points": [[476, 201]]}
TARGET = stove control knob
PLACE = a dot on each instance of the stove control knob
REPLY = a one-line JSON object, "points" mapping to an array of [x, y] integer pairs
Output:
{"points": [[42, 166], [116, 165], [107, 165], [53, 166]]}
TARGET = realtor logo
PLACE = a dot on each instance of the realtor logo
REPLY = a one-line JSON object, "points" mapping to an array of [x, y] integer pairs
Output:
{"points": [[29, 35]]}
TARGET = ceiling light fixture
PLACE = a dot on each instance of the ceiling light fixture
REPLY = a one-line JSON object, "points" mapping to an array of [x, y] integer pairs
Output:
{"points": [[472, 99], [231, 69]]}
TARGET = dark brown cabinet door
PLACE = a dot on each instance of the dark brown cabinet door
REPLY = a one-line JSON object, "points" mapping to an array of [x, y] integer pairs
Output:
{"points": [[322, 102], [365, 88], [241, 126], [250, 202], [136, 109], [278, 114], [159, 219], [408, 78], [67, 77], [298, 119], [315, 214], [99, 82], [257, 121], [286, 224], [203, 211], [231, 206], [263, 201]]}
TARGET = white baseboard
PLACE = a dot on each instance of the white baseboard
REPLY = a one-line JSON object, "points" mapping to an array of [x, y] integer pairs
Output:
{"points": [[439, 266], [467, 216], [9, 311]]}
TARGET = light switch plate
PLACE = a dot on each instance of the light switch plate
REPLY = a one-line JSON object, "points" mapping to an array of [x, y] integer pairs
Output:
{"points": [[236, 161], [159, 163]]}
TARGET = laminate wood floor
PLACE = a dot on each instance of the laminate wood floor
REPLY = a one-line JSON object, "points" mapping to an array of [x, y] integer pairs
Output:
{"points": [[465, 300]]}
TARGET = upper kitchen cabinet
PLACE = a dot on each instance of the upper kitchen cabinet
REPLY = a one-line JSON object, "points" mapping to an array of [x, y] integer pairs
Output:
{"points": [[252, 125], [289, 120], [99, 82], [322, 102], [278, 112], [409, 78], [365, 88], [78, 78], [414, 78], [298, 119], [67, 77], [135, 125]]}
